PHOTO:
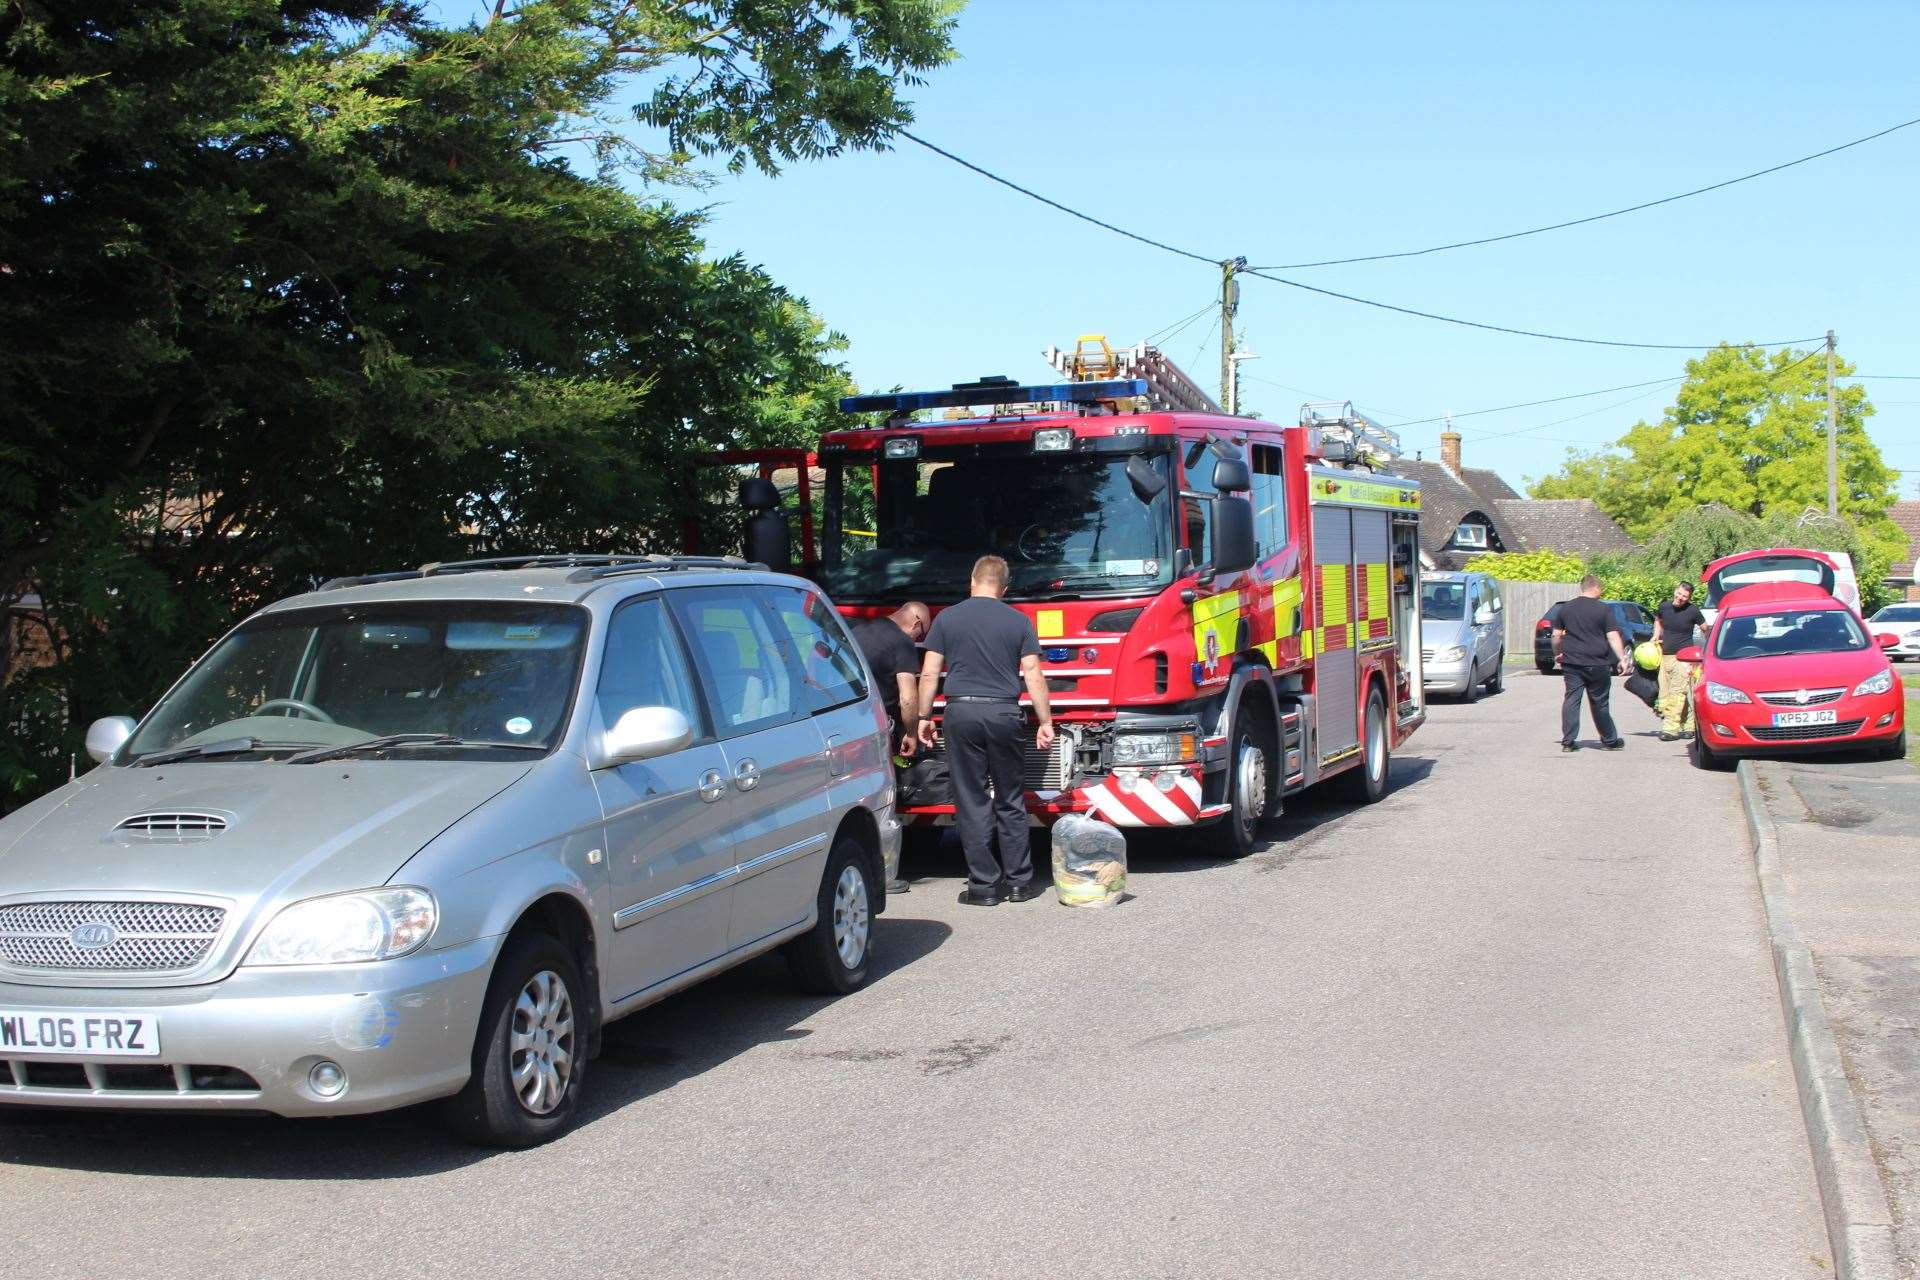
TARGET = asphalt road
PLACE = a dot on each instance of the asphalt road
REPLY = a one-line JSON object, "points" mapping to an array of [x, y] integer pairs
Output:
{"points": [[1516, 1020]]}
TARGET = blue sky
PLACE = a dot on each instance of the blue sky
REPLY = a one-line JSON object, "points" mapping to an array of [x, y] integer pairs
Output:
{"points": [[1289, 132]]}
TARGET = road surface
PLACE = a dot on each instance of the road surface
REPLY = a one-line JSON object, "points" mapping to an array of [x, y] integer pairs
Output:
{"points": [[1516, 1020]]}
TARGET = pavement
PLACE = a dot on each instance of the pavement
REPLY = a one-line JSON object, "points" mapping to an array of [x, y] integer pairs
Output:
{"points": [[1516, 1020], [1845, 838]]}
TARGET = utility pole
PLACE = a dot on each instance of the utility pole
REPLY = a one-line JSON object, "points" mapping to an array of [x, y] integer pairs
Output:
{"points": [[1229, 304], [1833, 437]]}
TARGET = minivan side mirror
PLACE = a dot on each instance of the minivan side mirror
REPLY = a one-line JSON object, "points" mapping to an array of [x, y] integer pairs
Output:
{"points": [[642, 734], [1483, 615], [107, 735]]}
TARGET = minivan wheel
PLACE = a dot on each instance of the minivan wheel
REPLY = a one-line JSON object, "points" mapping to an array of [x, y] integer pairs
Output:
{"points": [[527, 1058], [1497, 681], [834, 957]]}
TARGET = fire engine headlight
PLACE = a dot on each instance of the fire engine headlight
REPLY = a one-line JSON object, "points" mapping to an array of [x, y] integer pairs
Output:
{"points": [[1155, 748], [1052, 439], [1722, 695], [1882, 683], [902, 447]]}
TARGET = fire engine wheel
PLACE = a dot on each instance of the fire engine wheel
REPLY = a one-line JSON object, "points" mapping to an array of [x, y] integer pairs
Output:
{"points": [[1249, 785], [1369, 782]]}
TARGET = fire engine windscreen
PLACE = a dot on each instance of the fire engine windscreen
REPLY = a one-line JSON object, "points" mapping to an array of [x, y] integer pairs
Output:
{"points": [[1066, 523]]}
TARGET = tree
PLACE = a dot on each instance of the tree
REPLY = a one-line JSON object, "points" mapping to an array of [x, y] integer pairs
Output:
{"points": [[291, 288], [1747, 430]]}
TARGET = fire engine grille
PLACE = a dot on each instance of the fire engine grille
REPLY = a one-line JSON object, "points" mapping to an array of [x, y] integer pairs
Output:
{"points": [[1801, 697], [1806, 732], [135, 937], [1048, 770]]}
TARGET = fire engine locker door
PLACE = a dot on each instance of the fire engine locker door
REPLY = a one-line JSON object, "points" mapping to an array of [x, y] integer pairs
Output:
{"points": [[1335, 662]]}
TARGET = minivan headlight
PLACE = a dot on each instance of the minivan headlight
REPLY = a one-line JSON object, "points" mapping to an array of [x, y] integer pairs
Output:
{"points": [[1882, 683], [1453, 654], [377, 924]]}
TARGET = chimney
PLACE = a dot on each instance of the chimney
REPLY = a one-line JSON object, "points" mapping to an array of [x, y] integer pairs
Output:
{"points": [[1450, 451]]}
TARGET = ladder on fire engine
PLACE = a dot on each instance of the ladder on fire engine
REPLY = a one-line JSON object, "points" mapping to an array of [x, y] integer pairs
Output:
{"points": [[1340, 424], [1093, 359]]}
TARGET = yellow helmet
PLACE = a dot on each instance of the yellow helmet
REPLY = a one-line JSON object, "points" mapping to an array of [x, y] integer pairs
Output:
{"points": [[1647, 655]]}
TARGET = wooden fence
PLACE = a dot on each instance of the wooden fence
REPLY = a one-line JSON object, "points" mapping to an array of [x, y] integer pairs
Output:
{"points": [[1526, 601]]}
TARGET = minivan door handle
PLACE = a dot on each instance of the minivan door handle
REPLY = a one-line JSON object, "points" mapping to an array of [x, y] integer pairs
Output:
{"points": [[746, 774], [712, 786], [832, 754]]}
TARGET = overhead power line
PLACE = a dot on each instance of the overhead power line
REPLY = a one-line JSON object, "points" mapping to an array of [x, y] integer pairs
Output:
{"points": [[1532, 404], [1597, 217], [1172, 331], [1524, 333], [1888, 377], [1295, 284]]}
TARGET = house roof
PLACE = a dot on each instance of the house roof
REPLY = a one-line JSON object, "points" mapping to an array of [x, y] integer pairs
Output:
{"points": [[1907, 516], [1447, 499], [1576, 526], [1572, 525]]}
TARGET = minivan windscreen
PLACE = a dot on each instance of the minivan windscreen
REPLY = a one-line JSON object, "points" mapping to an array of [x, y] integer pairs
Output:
{"points": [[436, 677], [1443, 601]]}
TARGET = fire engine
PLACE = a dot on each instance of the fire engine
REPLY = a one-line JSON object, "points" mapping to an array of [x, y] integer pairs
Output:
{"points": [[1227, 608]]}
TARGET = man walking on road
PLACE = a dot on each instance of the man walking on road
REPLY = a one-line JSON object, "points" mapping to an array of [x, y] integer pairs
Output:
{"points": [[888, 644], [1673, 629], [1591, 651], [989, 649]]}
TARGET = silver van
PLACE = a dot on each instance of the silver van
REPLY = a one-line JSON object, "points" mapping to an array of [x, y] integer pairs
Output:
{"points": [[421, 836], [1463, 643]]}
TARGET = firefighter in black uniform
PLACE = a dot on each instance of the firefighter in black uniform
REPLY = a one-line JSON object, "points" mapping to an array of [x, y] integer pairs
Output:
{"points": [[989, 648]]}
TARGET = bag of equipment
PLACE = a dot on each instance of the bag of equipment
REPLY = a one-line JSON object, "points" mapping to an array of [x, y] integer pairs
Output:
{"points": [[1644, 687], [1089, 862], [925, 781]]}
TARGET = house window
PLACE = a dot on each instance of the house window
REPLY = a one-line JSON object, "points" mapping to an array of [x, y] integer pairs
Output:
{"points": [[1471, 535]]}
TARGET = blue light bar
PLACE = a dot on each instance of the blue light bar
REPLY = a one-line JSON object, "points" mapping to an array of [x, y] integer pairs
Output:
{"points": [[995, 391]]}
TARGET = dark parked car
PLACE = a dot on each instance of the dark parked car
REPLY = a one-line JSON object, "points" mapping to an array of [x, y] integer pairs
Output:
{"points": [[1636, 624]]}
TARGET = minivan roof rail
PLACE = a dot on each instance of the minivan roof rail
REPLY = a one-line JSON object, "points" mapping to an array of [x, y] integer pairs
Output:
{"points": [[587, 566]]}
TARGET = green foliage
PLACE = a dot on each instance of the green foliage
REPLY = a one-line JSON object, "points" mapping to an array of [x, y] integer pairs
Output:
{"points": [[290, 288], [1529, 566], [1747, 430]]}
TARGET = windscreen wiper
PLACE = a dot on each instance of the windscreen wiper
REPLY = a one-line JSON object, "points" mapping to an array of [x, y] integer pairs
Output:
{"points": [[225, 747], [392, 740], [374, 744]]}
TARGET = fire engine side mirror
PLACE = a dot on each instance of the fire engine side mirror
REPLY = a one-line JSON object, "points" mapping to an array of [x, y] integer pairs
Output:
{"points": [[1234, 545], [1230, 475], [1145, 478]]}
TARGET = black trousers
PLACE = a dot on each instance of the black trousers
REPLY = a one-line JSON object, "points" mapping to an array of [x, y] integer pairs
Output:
{"points": [[984, 746], [1596, 685]]}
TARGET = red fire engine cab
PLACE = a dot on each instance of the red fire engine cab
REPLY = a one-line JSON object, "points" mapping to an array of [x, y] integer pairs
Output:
{"points": [[1227, 609]]}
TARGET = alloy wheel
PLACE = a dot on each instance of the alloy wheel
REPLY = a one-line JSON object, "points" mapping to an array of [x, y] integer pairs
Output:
{"points": [[851, 919], [1250, 784], [540, 1044]]}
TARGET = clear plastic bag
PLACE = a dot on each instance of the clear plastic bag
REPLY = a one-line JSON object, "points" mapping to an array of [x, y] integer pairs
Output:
{"points": [[1089, 862]]}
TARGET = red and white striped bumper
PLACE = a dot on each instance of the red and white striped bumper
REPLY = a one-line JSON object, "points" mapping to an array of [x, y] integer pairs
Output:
{"points": [[1145, 797]]}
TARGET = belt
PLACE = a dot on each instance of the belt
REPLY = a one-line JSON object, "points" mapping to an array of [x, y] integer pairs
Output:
{"points": [[967, 697]]}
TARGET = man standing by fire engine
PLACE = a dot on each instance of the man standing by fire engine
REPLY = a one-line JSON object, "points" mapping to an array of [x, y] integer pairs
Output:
{"points": [[988, 648]]}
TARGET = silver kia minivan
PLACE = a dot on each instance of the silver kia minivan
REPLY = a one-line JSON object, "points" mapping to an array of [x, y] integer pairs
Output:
{"points": [[1462, 634], [422, 835]]}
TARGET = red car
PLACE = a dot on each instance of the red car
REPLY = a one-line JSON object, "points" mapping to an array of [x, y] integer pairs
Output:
{"points": [[1789, 668]]}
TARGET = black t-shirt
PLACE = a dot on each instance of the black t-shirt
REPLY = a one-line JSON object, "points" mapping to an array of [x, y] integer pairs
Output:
{"points": [[1586, 622], [890, 654], [983, 640], [1676, 625]]}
